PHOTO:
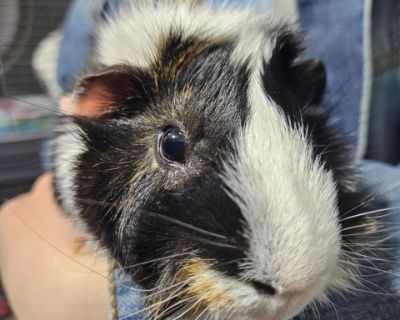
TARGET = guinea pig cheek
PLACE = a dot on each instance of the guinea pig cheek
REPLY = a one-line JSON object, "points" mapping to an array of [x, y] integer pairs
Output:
{"points": [[214, 291]]}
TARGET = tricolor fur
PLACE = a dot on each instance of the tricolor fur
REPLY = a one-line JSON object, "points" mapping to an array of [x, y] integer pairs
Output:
{"points": [[249, 226]]}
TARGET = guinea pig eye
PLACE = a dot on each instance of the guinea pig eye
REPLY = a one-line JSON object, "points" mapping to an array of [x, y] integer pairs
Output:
{"points": [[172, 145]]}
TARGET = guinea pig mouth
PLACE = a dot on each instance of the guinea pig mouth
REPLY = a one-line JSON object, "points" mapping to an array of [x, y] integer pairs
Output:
{"points": [[225, 297], [283, 306]]}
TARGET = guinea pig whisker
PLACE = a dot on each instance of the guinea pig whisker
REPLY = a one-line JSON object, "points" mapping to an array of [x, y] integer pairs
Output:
{"points": [[153, 305], [148, 290], [367, 199], [358, 226], [159, 316], [194, 305], [217, 244], [373, 229], [371, 268], [180, 284], [155, 288], [37, 105], [371, 263], [373, 248], [372, 195], [230, 314], [201, 314], [379, 294], [371, 212], [315, 310], [156, 304], [227, 263], [359, 255], [382, 292], [333, 305], [157, 259], [185, 225], [370, 233], [216, 315]]}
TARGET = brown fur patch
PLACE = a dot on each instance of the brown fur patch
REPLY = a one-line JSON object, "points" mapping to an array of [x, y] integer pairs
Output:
{"points": [[203, 287], [200, 292]]}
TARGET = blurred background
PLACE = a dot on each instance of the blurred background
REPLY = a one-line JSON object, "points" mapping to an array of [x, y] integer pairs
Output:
{"points": [[24, 125], [25, 110]]}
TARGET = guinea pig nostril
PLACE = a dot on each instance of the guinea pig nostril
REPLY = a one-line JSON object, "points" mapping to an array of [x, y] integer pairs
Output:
{"points": [[263, 288]]}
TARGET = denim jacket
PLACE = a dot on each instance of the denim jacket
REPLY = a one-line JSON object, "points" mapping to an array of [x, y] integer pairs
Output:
{"points": [[384, 117]]}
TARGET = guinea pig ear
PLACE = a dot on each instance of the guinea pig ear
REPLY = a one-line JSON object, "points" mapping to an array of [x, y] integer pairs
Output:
{"points": [[290, 81], [103, 94], [309, 81]]}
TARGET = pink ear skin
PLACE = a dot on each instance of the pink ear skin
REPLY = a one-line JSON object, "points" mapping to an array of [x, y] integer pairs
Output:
{"points": [[88, 105], [95, 97], [99, 95]]}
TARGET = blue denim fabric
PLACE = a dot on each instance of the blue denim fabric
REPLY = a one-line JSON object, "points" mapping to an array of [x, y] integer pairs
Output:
{"points": [[384, 125], [129, 301], [334, 30], [77, 41]]}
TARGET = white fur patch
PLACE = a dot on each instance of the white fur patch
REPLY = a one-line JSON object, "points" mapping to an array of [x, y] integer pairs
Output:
{"points": [[136, 32], [68, 147], [287, 199]]}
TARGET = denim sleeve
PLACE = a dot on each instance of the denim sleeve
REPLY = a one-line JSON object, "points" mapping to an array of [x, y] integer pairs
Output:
{"points": [[128, 302], [334, 34], [77, 41], [384, 120]]}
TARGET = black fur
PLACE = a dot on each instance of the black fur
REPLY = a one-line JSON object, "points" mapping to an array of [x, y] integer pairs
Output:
{"points": [[204, 205], [107, 195], [298, 87]]}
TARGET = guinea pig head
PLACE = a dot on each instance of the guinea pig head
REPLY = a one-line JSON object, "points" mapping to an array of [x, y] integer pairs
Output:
{"points": [[212, 176]]}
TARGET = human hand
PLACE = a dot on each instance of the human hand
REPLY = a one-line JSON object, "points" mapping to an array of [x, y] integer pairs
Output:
{"points": [[46, 269]]}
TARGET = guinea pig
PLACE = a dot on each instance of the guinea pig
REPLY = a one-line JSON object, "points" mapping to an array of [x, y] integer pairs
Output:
{"points": [[203, 162]]}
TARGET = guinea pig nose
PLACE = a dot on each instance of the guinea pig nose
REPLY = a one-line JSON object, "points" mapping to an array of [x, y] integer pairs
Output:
{"points": [[263, 288]]}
